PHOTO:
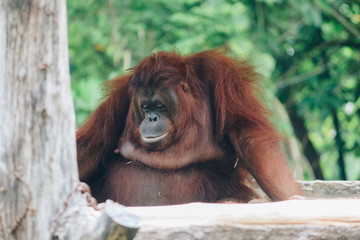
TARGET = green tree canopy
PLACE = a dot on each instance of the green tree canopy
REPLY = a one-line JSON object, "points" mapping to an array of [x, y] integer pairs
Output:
{"points": [[307, 50]]}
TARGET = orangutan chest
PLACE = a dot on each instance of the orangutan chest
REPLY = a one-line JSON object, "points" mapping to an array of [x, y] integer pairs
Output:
{"points": [[138, 185]]}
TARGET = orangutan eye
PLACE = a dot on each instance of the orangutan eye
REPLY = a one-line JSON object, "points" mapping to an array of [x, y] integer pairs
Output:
{"points": [[159, 105], [145, 107]]}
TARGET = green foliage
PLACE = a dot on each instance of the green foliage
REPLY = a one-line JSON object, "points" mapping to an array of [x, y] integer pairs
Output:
{"points": [[307, 49]]}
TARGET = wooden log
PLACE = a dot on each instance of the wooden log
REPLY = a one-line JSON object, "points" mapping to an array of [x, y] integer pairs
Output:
{"points": [[115, 222], [331, 189], [293, 219]]}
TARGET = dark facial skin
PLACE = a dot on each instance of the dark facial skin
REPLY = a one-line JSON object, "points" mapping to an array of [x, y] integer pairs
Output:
{"points": [[155, 113]]}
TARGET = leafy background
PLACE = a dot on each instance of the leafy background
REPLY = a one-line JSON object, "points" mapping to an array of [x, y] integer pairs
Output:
{"points": [[307, 50]]}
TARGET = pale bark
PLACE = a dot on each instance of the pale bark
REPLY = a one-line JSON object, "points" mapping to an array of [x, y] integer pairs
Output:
{"points": [[37, 134], [39, 195], [295, 219], [331, 189]]}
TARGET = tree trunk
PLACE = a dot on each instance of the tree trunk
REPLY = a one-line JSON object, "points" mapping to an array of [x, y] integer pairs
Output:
{"points": [[302, 134], [37, 148], [38, 171], [340, 145]]}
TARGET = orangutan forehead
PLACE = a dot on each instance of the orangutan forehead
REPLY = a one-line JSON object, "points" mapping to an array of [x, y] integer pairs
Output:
{"points": [[160, 78], [165, 94], [148, 91]]}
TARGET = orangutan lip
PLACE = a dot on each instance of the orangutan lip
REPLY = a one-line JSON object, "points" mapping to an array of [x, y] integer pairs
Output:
{"points": [[154, 139]]}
